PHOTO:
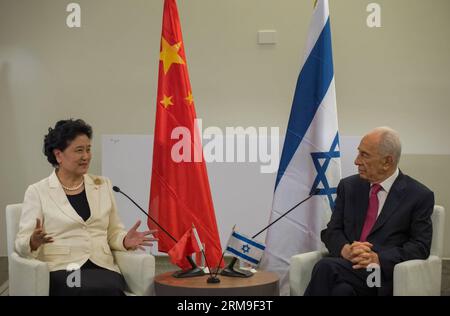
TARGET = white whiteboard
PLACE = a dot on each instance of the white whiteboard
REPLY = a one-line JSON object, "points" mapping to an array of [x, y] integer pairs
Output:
{"points": [[242, 195]]}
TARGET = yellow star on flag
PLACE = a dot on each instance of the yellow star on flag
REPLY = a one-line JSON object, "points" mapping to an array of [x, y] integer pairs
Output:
{"points": [[189, 98], [169, 55], [166, 101]]}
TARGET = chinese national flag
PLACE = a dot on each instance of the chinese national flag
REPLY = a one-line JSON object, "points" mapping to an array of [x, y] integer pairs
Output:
{"points": [[179, 195]]}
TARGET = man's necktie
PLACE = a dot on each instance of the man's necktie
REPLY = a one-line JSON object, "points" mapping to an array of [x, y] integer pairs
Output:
{"points": [[372, 211]]}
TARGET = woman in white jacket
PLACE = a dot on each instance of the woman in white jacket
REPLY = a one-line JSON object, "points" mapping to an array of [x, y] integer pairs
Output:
{"points": [[70, 218]]}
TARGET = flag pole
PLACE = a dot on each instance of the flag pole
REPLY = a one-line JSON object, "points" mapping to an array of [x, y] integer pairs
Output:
{"points": [[212, 278]]}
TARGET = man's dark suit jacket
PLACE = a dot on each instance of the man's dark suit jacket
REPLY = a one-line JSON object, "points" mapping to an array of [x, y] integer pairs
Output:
{"points": [[403, 230]]}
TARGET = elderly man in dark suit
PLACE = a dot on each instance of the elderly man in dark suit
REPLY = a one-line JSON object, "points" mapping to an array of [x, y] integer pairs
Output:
{"points": [[382, 217]]}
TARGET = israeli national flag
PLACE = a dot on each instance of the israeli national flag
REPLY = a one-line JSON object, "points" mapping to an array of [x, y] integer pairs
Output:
{"points": [[310, 158], [245, 248]]}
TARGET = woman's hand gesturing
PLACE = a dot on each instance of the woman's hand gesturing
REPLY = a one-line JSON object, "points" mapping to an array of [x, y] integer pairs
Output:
{"points": [[135, 239], [39, 236]]}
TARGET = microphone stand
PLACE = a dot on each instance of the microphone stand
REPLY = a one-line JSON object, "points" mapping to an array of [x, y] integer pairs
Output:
{"points": [[231, 271], [195, 270]]}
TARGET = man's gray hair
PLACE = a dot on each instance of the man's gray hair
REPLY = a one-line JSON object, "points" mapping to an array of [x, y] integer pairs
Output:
{"points": [[389, 143]]}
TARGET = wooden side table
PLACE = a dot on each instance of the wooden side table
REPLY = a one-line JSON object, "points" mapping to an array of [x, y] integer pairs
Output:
{"points": [[262, 283]]}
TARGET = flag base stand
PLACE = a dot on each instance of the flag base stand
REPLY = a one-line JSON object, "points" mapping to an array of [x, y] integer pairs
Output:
{"points": [[213, 280], [230, 271], [193, 272], [189, 273]]}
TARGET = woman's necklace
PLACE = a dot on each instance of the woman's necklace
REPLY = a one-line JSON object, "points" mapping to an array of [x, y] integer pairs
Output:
{"points": [[73, 188]]}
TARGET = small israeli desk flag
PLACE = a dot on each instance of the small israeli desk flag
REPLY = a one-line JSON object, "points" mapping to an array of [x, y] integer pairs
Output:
{"points": [[245, 248]]}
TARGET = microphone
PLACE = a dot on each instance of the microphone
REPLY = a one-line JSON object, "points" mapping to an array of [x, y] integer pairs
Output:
{"points": [[311, 194], [195, 271], [229, 270], [117, 189]]}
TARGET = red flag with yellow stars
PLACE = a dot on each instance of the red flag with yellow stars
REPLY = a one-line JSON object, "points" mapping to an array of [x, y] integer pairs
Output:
{"points": [[179, 195]]}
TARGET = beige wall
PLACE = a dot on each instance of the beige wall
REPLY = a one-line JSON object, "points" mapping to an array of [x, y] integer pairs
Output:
{"points": [[429, 169], [106, 73]]}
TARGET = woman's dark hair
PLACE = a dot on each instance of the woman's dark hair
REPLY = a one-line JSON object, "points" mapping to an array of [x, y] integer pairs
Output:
{"points": [[62, 135]]}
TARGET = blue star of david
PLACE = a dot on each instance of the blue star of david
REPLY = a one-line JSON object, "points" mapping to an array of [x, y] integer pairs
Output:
{"points": [[322, 168], [245, 248]]}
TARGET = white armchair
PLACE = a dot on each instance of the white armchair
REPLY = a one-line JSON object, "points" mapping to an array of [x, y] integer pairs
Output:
{"points": [[411, 278], [31, 277]]}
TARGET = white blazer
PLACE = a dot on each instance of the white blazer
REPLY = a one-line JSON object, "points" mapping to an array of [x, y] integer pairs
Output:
{"points": [[75, 241]]}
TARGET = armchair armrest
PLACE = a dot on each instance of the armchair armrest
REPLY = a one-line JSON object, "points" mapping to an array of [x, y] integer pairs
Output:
{"points": [[300, 270], [418, 277], [138, 269], [28, 277]]}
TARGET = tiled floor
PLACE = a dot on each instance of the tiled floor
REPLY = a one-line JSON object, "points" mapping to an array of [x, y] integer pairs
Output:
{"points": [[3, 276], [3, 270], [445, 278], [163, 265]]}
